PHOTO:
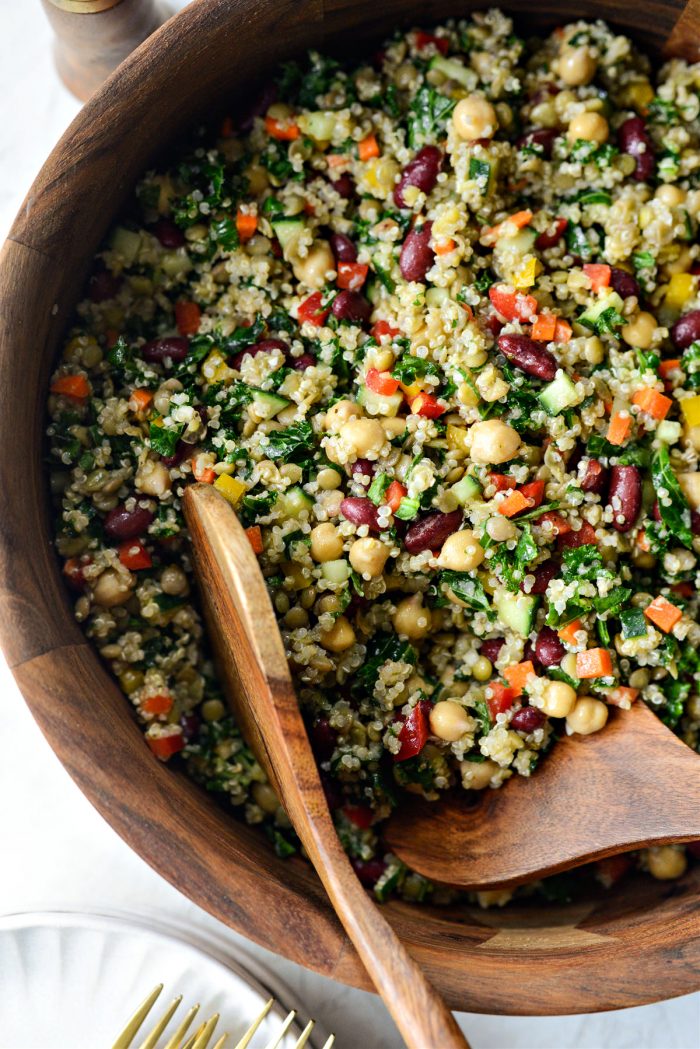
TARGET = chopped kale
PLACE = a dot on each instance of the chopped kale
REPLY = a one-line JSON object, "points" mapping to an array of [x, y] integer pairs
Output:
{"points": [[164, 440], [380, 649], [673, 506], [428, 115]]}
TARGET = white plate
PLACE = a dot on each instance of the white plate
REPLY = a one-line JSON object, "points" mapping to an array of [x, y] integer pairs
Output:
{"points": [[71, 981]]}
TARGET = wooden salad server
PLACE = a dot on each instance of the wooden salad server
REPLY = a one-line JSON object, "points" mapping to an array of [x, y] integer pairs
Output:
{"points": [[631, 785], [251, 657]]}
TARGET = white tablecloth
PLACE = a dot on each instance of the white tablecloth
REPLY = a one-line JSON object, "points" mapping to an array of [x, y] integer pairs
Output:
{"points": [[56, 850]]}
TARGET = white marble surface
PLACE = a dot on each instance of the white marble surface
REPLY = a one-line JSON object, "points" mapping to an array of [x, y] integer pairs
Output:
{"points": [[57, 851]]}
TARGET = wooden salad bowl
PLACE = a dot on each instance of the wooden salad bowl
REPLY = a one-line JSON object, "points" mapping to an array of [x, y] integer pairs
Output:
{"points": [[637, 943]]}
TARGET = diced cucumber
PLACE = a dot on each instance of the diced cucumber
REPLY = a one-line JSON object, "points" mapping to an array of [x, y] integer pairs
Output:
{"points": [[176, 263], [437, 296], [668, 431], [610, 301], [379, 403], [466, 490], [455, 70], [317, 125], [521, 243], [558, 394], [373, 289], [294, 502], [267, 405], [127, 243], [408, 509], [516, 611], [381, 269], [287, 231], [336, 571], [378, 487]]}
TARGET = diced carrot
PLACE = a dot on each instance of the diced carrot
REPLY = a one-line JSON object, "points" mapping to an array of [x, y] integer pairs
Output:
{"points": [[663, 614], [336, 160], [394, 494], [187, 317], [284, 131], [246, 225], [165, 746], [513, 504], [501, 482], [444, 247], [619, 428], [666, 367], [559, 524], [519, 220], [140, 400], [594, 662], [652, 402], [684, 589], [622, 696], [598, 274], [75, 386], [517, 676], [502, 699], [563, 331], [544, 327], [159, 704], [205, 475], [255, 537], [368, 148], [567, 634], [643, 541], [533, 492]]}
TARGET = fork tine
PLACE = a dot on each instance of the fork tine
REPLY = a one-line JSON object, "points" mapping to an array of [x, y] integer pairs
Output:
{"points": [[304, 1036], [330, 1041], [192, 1038], [176, 1040], [221, 1041], [129, 1033], [245, 1040], [276, 1039], [151, 1039], [204, 1036]]}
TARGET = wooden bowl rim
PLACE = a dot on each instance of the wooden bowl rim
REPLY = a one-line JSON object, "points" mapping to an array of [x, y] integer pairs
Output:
{"points": [[521, 961]]}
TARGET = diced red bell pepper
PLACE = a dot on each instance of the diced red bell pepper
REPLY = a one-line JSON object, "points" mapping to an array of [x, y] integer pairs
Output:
{"points": [[683, 589], [351, 275], [598, 274], [559, 524], [158, 704], [381, 382], [584, 537], [424, 39], [549, 239], [501, 482], [612, 869], [165, 746], [381, 328], [313, 310], [188, 317], [428, 406], [414, 731], [74, 569], [134, 555], [502, 699], [360, 815], [394, 494], [511, 304], [533, 492]]}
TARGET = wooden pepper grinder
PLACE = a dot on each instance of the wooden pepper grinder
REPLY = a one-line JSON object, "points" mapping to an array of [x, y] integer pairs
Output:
{"points": [[94, 36]]}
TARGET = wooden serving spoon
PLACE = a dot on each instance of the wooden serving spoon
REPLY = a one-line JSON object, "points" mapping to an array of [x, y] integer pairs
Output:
{"points": [[631, 785], [252, 659]]}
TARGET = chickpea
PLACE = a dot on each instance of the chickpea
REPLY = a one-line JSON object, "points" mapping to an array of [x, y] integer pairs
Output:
{"points": [[328, 603], [690, 483], [340, 636], [493, 441], [161, 398], [313, 268], [461, 552], [666, 862], [670, 195], [174, 581], [326, 543], [113, 588], [265, 797], [328, 479], [364, 436], [588, 716], [382, 359], [213, 710], [500, 528], [474, 117], [153, 478], [369, 555], [576, 66], [482, 669], [411, 619], [449, 721], [339, 413], [593, 351], [296, 618], [477, 774], [295, 575], [558, 699], [592, 127], [640, 331], [394, 427]]}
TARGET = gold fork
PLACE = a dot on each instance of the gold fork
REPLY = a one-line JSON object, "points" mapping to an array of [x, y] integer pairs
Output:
{"points": [[204, 1034]]}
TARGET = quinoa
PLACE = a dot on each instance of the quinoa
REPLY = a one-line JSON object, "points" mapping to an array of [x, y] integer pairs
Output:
{"points": [[431, 324]]}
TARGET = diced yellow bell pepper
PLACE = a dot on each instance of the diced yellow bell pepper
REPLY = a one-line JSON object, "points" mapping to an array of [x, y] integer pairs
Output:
{"points": [[690, 406], [680, 289], [215, 369], [413, 390], [526, 275], [230, 487], [457, 438]]}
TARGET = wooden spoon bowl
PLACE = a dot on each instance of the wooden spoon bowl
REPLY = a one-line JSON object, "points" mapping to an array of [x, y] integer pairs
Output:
{"points": [[637, 943]]}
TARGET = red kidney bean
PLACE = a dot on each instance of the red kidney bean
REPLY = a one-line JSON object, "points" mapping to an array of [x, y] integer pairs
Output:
{"points": [[527, 719], [686, 329], [491, 647], [539, 136], [432, 531], [625, 496], [263, 346], [121, 523], [181, 450], [351, 306], [169, 235], [360, 511], [343, 248], [544, 574], [695, 522], [363, 467], [368, 871], [548, 648], [422, 171], [260, 103], [344, 185], [417, 256], [624, 283], [103, 285], [173, 347], [595, 478], [323, 739], [300, 364], [693, 847], [525, 354], [529, 654], [635, 140], [189, 723]]}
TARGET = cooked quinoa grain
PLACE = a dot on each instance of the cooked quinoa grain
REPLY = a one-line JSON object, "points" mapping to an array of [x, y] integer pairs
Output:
{"points": [[431, 324]]}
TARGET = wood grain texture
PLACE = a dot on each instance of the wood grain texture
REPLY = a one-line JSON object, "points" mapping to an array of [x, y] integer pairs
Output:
{"points": [[253, 665], [632, 785], [684, 39], [649, 946]]}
